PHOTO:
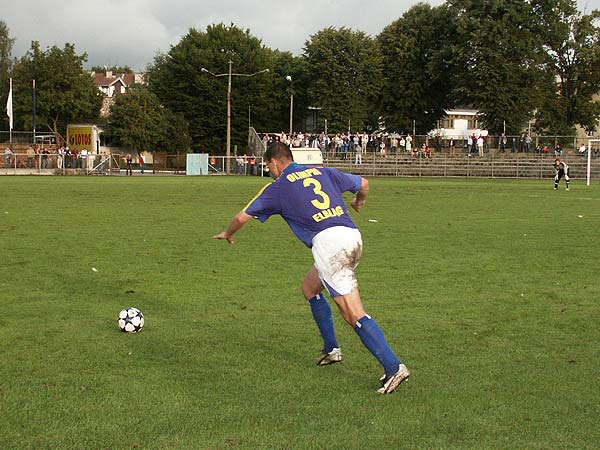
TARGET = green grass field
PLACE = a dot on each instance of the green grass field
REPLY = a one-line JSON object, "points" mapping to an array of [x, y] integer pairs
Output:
{"points": [[489, 290]]}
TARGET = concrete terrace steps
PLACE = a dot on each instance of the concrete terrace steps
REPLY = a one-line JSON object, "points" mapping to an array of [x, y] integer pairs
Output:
{"points": [[489, 166]]}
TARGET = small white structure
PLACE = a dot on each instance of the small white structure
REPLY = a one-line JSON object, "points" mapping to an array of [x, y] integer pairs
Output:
{"points": [[459, 124], [307, 156]]}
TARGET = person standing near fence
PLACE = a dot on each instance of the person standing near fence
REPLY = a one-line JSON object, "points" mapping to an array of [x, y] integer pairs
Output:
{"points": [[8, 156], [30, 156], [480, 146], [128, 160], [311, 202], [142, 162]]}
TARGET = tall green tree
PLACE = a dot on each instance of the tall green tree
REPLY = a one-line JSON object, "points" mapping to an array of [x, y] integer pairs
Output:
{"points": [[572, 45], [6, 63], [65, 92], [285, 65], [500, 61], [137, 120], [201, 98], [345, 70], [417, 61]]}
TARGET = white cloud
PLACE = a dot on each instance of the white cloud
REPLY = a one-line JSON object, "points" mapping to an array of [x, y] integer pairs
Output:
{"points": [[131, 32]]}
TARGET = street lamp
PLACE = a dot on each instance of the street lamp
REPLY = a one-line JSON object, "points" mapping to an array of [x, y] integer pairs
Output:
{"points": [[289, 78], [229, 75]]}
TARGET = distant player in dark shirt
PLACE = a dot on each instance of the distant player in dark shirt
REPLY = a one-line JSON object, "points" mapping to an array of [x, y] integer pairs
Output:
{"points": [[561, 169], [310, 201]]}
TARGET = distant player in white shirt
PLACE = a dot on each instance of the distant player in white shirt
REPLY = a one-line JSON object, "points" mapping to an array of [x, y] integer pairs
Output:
{"points": [[561, 169]]}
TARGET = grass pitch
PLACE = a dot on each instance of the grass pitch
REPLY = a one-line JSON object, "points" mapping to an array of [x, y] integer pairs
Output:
{"points": [[487, 289]]}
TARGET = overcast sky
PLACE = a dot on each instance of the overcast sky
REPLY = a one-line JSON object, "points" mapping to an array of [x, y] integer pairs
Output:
{"points": [[131, 32]]}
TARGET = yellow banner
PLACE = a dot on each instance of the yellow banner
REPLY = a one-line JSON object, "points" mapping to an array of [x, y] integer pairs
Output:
{"points": [[80, 137]]}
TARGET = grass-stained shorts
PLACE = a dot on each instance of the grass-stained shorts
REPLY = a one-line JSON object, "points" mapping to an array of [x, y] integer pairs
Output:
{"points": [[337, 252]]}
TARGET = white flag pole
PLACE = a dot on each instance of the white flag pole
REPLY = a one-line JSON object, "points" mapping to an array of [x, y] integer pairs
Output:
{"points": [[9, 110]]}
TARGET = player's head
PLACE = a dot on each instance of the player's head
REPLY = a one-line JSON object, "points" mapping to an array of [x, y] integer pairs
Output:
{"points": [[278, 150], [278, 156], [557, 161]]}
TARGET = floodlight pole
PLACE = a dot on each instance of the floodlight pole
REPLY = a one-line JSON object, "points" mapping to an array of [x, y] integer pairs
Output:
{"points": [[229, 74]]}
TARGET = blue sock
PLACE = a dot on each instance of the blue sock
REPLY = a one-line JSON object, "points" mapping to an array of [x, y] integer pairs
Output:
{"points": [[373, 338], [322, 314]]}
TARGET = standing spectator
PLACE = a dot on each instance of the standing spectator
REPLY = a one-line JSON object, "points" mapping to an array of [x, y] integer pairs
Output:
{"points": [[44, 158], [355, 141], [528, 143], [452, 146], [359, 152], [84, 158], [502, 142], [245, 164], [239, 161], [142, 162], [470, 143], [30, 156], [480, 146], [103, 163], [582, 149], [382, 147], [8, 153], [128, 168], [37, 157], [60, 159], [394, 144], [409, 143]]}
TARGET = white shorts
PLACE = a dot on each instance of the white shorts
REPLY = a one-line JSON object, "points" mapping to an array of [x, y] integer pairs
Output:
{"points": [[337, 252]]}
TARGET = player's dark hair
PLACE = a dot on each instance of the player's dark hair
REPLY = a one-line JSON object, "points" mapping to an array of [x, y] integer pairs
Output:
{"points": [[278, 150]]}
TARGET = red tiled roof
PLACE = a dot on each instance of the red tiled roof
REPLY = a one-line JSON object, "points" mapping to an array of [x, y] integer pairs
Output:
{"points": [[101, 79]]}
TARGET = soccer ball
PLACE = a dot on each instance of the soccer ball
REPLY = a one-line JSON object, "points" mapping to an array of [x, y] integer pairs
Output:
{"points": [[130, 320]]}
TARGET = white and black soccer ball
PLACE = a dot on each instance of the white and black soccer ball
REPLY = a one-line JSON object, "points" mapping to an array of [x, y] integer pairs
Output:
{"points": [[130, 320]]}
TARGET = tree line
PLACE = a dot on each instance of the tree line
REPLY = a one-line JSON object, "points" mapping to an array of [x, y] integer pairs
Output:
{"points": [[518, 62]]}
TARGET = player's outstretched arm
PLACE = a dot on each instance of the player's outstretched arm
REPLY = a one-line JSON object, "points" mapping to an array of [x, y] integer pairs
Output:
{"points": [[238, 221], [361, 196]]}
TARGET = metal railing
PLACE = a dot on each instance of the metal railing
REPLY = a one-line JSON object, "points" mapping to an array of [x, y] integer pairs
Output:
{"points": [[373, 164], [56, 164]]}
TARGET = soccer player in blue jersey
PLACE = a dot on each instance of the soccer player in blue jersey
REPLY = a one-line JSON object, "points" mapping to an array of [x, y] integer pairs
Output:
{"points": [[310, 201]]}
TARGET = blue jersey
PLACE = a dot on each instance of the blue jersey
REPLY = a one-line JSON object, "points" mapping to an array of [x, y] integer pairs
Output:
{"points": [[309, 200]]}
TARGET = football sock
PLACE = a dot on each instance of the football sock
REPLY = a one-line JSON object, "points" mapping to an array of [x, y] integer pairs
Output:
{"points": [[373, 338], [323, 315]]}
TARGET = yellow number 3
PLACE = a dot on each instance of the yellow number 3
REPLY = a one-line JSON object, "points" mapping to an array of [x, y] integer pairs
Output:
{"points": [[317, 190]]}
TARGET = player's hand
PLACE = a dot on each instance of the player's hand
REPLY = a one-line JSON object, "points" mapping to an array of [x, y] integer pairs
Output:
{"points": [[357, 204], [224, 236]]}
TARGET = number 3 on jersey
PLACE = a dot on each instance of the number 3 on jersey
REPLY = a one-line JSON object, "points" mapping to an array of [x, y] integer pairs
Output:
{"points": [[316, 187]]}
